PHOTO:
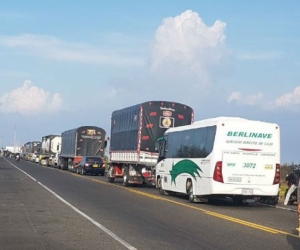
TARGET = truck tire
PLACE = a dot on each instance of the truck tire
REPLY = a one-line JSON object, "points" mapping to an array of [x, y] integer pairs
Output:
{"points": [[109, 174], [126, 177]]}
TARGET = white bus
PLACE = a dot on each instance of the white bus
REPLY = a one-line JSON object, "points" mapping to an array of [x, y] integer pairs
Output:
{"points": [[220, 157]]}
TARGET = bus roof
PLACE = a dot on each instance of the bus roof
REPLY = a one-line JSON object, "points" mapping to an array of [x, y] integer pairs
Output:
{"points": [[216, 121]]}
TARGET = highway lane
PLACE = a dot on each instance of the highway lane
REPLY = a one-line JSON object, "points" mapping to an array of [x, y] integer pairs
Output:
{"points": [[146, 220], [33, 218]]}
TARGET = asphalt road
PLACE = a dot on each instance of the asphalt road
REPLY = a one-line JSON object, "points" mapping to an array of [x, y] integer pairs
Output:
{"points": [[46, 208]]}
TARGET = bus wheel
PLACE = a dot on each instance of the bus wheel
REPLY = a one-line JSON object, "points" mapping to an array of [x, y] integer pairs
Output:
{"points": [[160, 189], [190, 192], [126, 177]]}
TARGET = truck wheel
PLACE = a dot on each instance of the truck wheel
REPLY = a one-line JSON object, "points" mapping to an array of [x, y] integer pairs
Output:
{"points": [[190, 192], [126, 177]]}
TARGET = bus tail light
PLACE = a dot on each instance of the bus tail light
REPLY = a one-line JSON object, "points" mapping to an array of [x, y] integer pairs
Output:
{"points": [[277, 174], [218, 172]]}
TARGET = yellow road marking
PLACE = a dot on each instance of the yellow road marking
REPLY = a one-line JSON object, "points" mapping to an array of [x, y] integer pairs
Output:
{"points": [[211, 213]]}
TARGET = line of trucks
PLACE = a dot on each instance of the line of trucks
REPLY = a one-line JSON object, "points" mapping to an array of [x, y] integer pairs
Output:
{"points": [[133, 151], [158, 143]]}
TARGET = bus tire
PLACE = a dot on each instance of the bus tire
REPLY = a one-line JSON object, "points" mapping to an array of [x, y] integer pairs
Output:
{"points": [[160, 188], [190, 191], [273, 200]]}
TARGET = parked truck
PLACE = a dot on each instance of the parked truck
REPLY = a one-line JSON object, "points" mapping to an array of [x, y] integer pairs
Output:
{"points": [[50, 147], [134, 132], [79, 142], [31, 149]]}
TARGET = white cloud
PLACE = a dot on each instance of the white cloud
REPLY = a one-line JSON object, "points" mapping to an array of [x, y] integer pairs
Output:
{"points": [[234, 96], [184, 58], [288, 99], [255, 99], [53, 48], [185, 47], [30, 100], [251, 100]]}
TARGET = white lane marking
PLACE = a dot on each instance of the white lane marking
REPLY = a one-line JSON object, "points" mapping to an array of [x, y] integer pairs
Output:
{"points": [[21, 170], [280, 207], [286, 208], [97, 224]]}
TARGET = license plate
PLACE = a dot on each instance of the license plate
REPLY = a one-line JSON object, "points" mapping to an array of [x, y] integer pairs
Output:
{"points": [[234, 179], [247, 191], [95, 165]]}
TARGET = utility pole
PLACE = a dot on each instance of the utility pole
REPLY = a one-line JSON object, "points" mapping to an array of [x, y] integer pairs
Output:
{"points": [[15, 137]]}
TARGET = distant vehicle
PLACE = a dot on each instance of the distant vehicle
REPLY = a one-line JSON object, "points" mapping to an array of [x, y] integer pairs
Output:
{"points": [[134, 132], [35, 158], [54, 160], [50, 146], [30, 148], [17, 156], [91, 165], [220, 157], [79, 142]]}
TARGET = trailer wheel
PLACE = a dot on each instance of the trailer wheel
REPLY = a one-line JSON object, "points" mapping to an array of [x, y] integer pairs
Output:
{"points": [[109, 174], [126, 177], [190, 192]]}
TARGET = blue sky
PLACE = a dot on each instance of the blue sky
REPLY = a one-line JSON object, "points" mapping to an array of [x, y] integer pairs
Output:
{"points": [[70, 64]]}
